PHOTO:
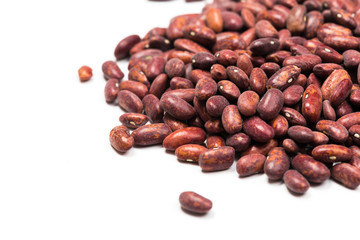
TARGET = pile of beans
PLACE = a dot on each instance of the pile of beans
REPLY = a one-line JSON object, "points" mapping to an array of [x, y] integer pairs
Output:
{"points": [[276, 81]]}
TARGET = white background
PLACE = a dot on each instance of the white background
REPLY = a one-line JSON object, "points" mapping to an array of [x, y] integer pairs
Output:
{"points": [[59, 176]]}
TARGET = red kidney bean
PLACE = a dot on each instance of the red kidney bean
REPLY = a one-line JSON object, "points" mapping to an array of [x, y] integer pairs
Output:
{"points": [[248, 17], [314, 20], [205, 88], [244, 63], [269, 69], [305, 62], [200, 34], [214, 141], [217, 159], [320, 138], [349, 119], [153, 108], [159, 85], [137, 88], [258, 130], [189, 135], [312, 103], [189, 152], [133, 120], [290, 146], [301, 134], [215, 105], [270, 104], [124, 46], [258, 81], [328, 55], [332, 153], [155, 67], [112, 70], [85, 73], [150, 134], [347, 174], [354, 132], [203, 60], [218, 72], [238, 141], [250, 164], [232, 21], [231, 119], [323, 70], [177, 107], [238, 76], [335, 131], [180, 83], [314, 171], [264, 46], [328, 111], [111, 90], [173, 123], [247, 103], [293, 116], [340, 92], [293, 94], [175, 68], [136, 74], [295, 182], [284, 77], [262, 148], [129, 101], [229, 90], [197, 74], [276, 164], [264, 29], [280, 126], [214, 126], [194, 202], [120, 139], [185, 94]]}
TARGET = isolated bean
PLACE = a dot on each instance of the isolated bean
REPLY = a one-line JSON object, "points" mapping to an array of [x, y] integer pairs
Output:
{"points": [[133, 120], [85, 73], [346, 174], [276, 164], [214, 141], [189, 152], [314, 171], [250, 164], [217, 159], [295, 182], [270, 104], [194, 202], [120, 139], [189, 135], [332, 153]]}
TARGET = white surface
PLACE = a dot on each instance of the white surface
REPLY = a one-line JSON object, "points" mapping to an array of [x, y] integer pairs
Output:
{"points": [[59, 177]]}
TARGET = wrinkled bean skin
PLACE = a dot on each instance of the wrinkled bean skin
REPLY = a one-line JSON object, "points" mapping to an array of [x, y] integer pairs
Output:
{"points": [[174, 123], [305, 62], [238, 141], [215, 105], [340, 92], [214, 141], [194, 202], [346, 174], [229, 90], [296, 182], [250, 164], [153, 108], [293, 94], [258, 81], [262, 148], [314, 171], [247, 103], [280, 126], [301, 134], [258, 130], [330, 153], [111, 90], [205, 88], [189, 135], [129, 101], [319, 138], [276, 164], [133, 120], [264, 46], [293, 116], [312, 103], [354, 132], [120, 139], [349, 119], [124, 46], [283, 78], [177, 107], [217, 159], [231, 119], [270, 104], [112, 70], [335, 131], [189, 152], [135, 87], [150, 134]]}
